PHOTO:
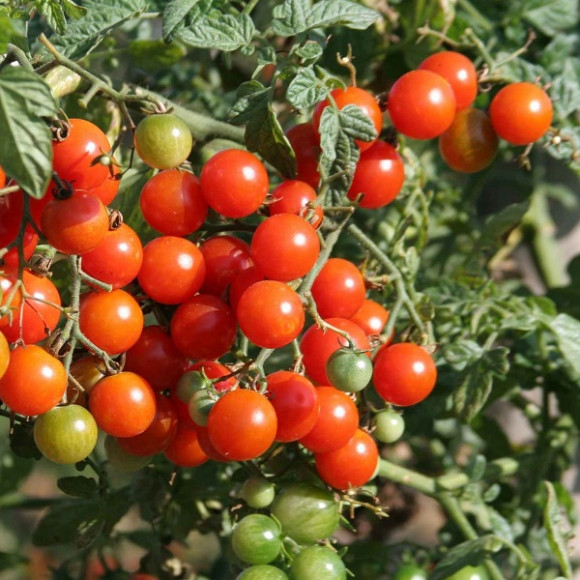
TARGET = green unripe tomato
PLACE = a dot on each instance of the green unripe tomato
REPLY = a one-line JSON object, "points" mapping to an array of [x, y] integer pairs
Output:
{"points": [[189, 383], [306, 512], [410, 572], [122, 460], [257, 492], [317, 563], [163, 141], [349, 370], [200, 404], [262, 573], [470, 573], [257, 539], [389, 426], [66, 434]]}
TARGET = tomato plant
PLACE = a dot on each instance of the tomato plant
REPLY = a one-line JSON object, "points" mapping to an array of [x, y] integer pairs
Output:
{"points": [[256, 539]]}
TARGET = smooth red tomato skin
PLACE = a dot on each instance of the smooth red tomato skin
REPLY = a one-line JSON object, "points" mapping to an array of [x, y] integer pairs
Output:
{"points": [[295, 401], [123, 405], [2, 178], [349, 466], [305, 142], [293, 196], [173, 269], [285, 247], [339, 289], [270, 314], [185, 449], [459, 72], [11, 214], [240, 283], [155, 357], [317, 346], [470, 144], [421, 104], [404, 374], [336, 423], [521, 113], [108, 190], [242, 425], [34, 381], [207, 446], [117, 259], [75, 225], [225, 257], [203, 327], [39, 316], [158, 435], [172, 203], [353, 96], [379, 176], [113, 320], [234, 183], [371, 317], [4, 355], [73, 158]]}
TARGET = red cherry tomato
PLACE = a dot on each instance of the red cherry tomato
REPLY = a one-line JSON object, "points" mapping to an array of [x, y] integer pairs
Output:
{"points": [[521, 113], [317, 346], [185, 449], [112, 321], [242, 425], [172, 203], [305, 142], [353, 96], [349, 466], [295, 401], [74, 157], [270, 314], [117, 259], [241, 283], [371, 317], [234, 183], [207, 446], [378, 177], [4, 354], [215, 370], [421, 104], [34, 381], [404, 374], [11, 214], [459, 72], [293, 196], [203, 327], [285, 247], [336, 423], [173, 269], [108, 190], [2, 178]]}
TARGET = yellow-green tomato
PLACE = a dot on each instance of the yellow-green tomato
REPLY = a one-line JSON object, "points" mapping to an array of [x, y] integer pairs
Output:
{"points": [[388, 425], [257, 492], [317, 563], [470, 573], [264, 572], [257, 539]]}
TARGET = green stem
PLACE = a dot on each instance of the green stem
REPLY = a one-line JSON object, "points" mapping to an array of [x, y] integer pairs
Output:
{"points": [[250, 6], [475, 15]]}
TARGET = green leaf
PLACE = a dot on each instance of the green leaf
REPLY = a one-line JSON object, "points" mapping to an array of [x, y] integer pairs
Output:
{"points": [[306, 89], [73, 10], [264, 134], [552, 519], [567, 332], [297, 16], [552, 16], [13, 471], [174, 15], [26, 144], [155, 55], [565, 90], [53, 12], [9, 561], [78, 486], [500, 224]]}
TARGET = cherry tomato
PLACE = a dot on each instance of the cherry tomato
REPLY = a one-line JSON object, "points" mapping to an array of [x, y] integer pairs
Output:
{"points": [[521, 113], [305, 142], [404, 374], [112, 321], [257, 539], [74, 157], [207, 446], [75, 225], [34, 381], [2, 178], [117, 258], [353, 96], [378, 177], [349, 466], [122, 460], [389, 426], [410, 572], [163, 141], [295, 401], [317, 563], [270, 314], [293, 196], [234, 183], [470, 573], [108, 190], [215, 370], [262, 572], [66, 434], [240, 283], [38, 316], [317, 346], [200, 405], [203, 327], [242, 425], [291, 240], [459, 72], [4, 354], [225, 257], [371, 317], [349, 370], [123, 405], [189, 383], [88, 371], [11, 215], [339, 289], [173, 269], [155, 357], [158, 435], [185, 449], [172, 203], [421, 104], [470, 144], [258, 492], [307, 513], [11, 296]]}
